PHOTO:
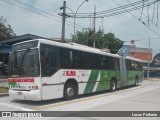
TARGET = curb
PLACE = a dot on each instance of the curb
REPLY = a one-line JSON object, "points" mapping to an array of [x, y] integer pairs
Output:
{"points": [[4, 94]]}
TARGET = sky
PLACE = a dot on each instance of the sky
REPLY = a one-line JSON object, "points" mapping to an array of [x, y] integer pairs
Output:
{"points": [[24, 19]]}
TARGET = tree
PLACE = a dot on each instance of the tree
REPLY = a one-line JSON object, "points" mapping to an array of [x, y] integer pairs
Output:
{"points": [[102, 41], [6, 31], [112, 43], [156, 61]]}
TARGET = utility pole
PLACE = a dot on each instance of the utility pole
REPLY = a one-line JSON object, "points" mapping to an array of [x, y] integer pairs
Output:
{"points": [[94, 23], [149, 53], [63, 21]]}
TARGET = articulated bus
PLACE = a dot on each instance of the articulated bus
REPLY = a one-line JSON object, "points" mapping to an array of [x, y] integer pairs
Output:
{"points": [[43, 69]]}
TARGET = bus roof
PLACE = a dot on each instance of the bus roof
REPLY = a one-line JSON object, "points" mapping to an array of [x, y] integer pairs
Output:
{"points": [[135, 59], [72, 45], [79, 47]]}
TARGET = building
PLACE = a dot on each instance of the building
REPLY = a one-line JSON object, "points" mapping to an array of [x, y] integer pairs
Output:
{"points": [[144, 54]]}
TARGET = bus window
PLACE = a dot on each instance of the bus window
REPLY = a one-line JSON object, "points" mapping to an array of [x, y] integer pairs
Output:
{"points": [[66, 58], [116, 64], [76, 60], [50, 62], [103, 63], [95, 61], [85, 60], [131, 65], [110, 63]]}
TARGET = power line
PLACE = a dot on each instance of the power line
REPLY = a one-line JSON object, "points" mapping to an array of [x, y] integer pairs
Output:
{"points": [[114, 9], [29, 10], [34, 12], [146, 16], [116, 12], [44, 11], [141, 11], [148, 13], [138, 19], [122, 7], [157, 12], [127, 10], [153, 12], [36, 8], [145, 39]]}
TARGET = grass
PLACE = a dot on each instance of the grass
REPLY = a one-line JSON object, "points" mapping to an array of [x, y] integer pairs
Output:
{"points": [[3, 89]]}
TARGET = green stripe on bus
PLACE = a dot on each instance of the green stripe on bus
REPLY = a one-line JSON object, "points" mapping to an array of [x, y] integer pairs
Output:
{"points": [[103, 84], [13, 84], [91, 81], [106, 76]]}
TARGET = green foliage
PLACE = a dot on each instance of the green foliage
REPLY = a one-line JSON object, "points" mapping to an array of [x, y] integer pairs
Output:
{"points": [[3, 90], [156, 61], [6, 31], [108, 41]]}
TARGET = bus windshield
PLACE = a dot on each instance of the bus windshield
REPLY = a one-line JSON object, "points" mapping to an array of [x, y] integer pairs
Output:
{"points": [[24, 63]]}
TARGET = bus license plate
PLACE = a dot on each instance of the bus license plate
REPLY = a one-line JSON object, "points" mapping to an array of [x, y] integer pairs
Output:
{"points": [[19, 93]]}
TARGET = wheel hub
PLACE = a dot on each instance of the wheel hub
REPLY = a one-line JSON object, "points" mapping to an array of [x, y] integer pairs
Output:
{"points": [[113, 86], [70, 91]]}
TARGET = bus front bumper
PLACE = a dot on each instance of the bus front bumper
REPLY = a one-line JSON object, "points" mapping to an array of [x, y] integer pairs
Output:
{"points": [[33, 95]]}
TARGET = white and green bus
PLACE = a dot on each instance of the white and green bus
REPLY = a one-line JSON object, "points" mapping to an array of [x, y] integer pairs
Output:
{"points": [[43, 69]]}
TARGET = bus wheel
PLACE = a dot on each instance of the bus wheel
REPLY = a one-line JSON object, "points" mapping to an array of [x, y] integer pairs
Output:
{"points": [[113, 85], [136, 81], [69, 91]]}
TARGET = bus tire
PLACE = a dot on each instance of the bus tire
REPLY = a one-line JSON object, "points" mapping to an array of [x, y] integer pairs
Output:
{"points": [[113, 85], [69, 91], [136, 81]]}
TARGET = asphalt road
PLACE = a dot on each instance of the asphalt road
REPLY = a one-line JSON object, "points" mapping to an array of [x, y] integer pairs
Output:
{"points": [[145, 97]]}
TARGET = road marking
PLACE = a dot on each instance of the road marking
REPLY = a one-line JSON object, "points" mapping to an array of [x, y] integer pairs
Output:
{"points": [[92, 97]]}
